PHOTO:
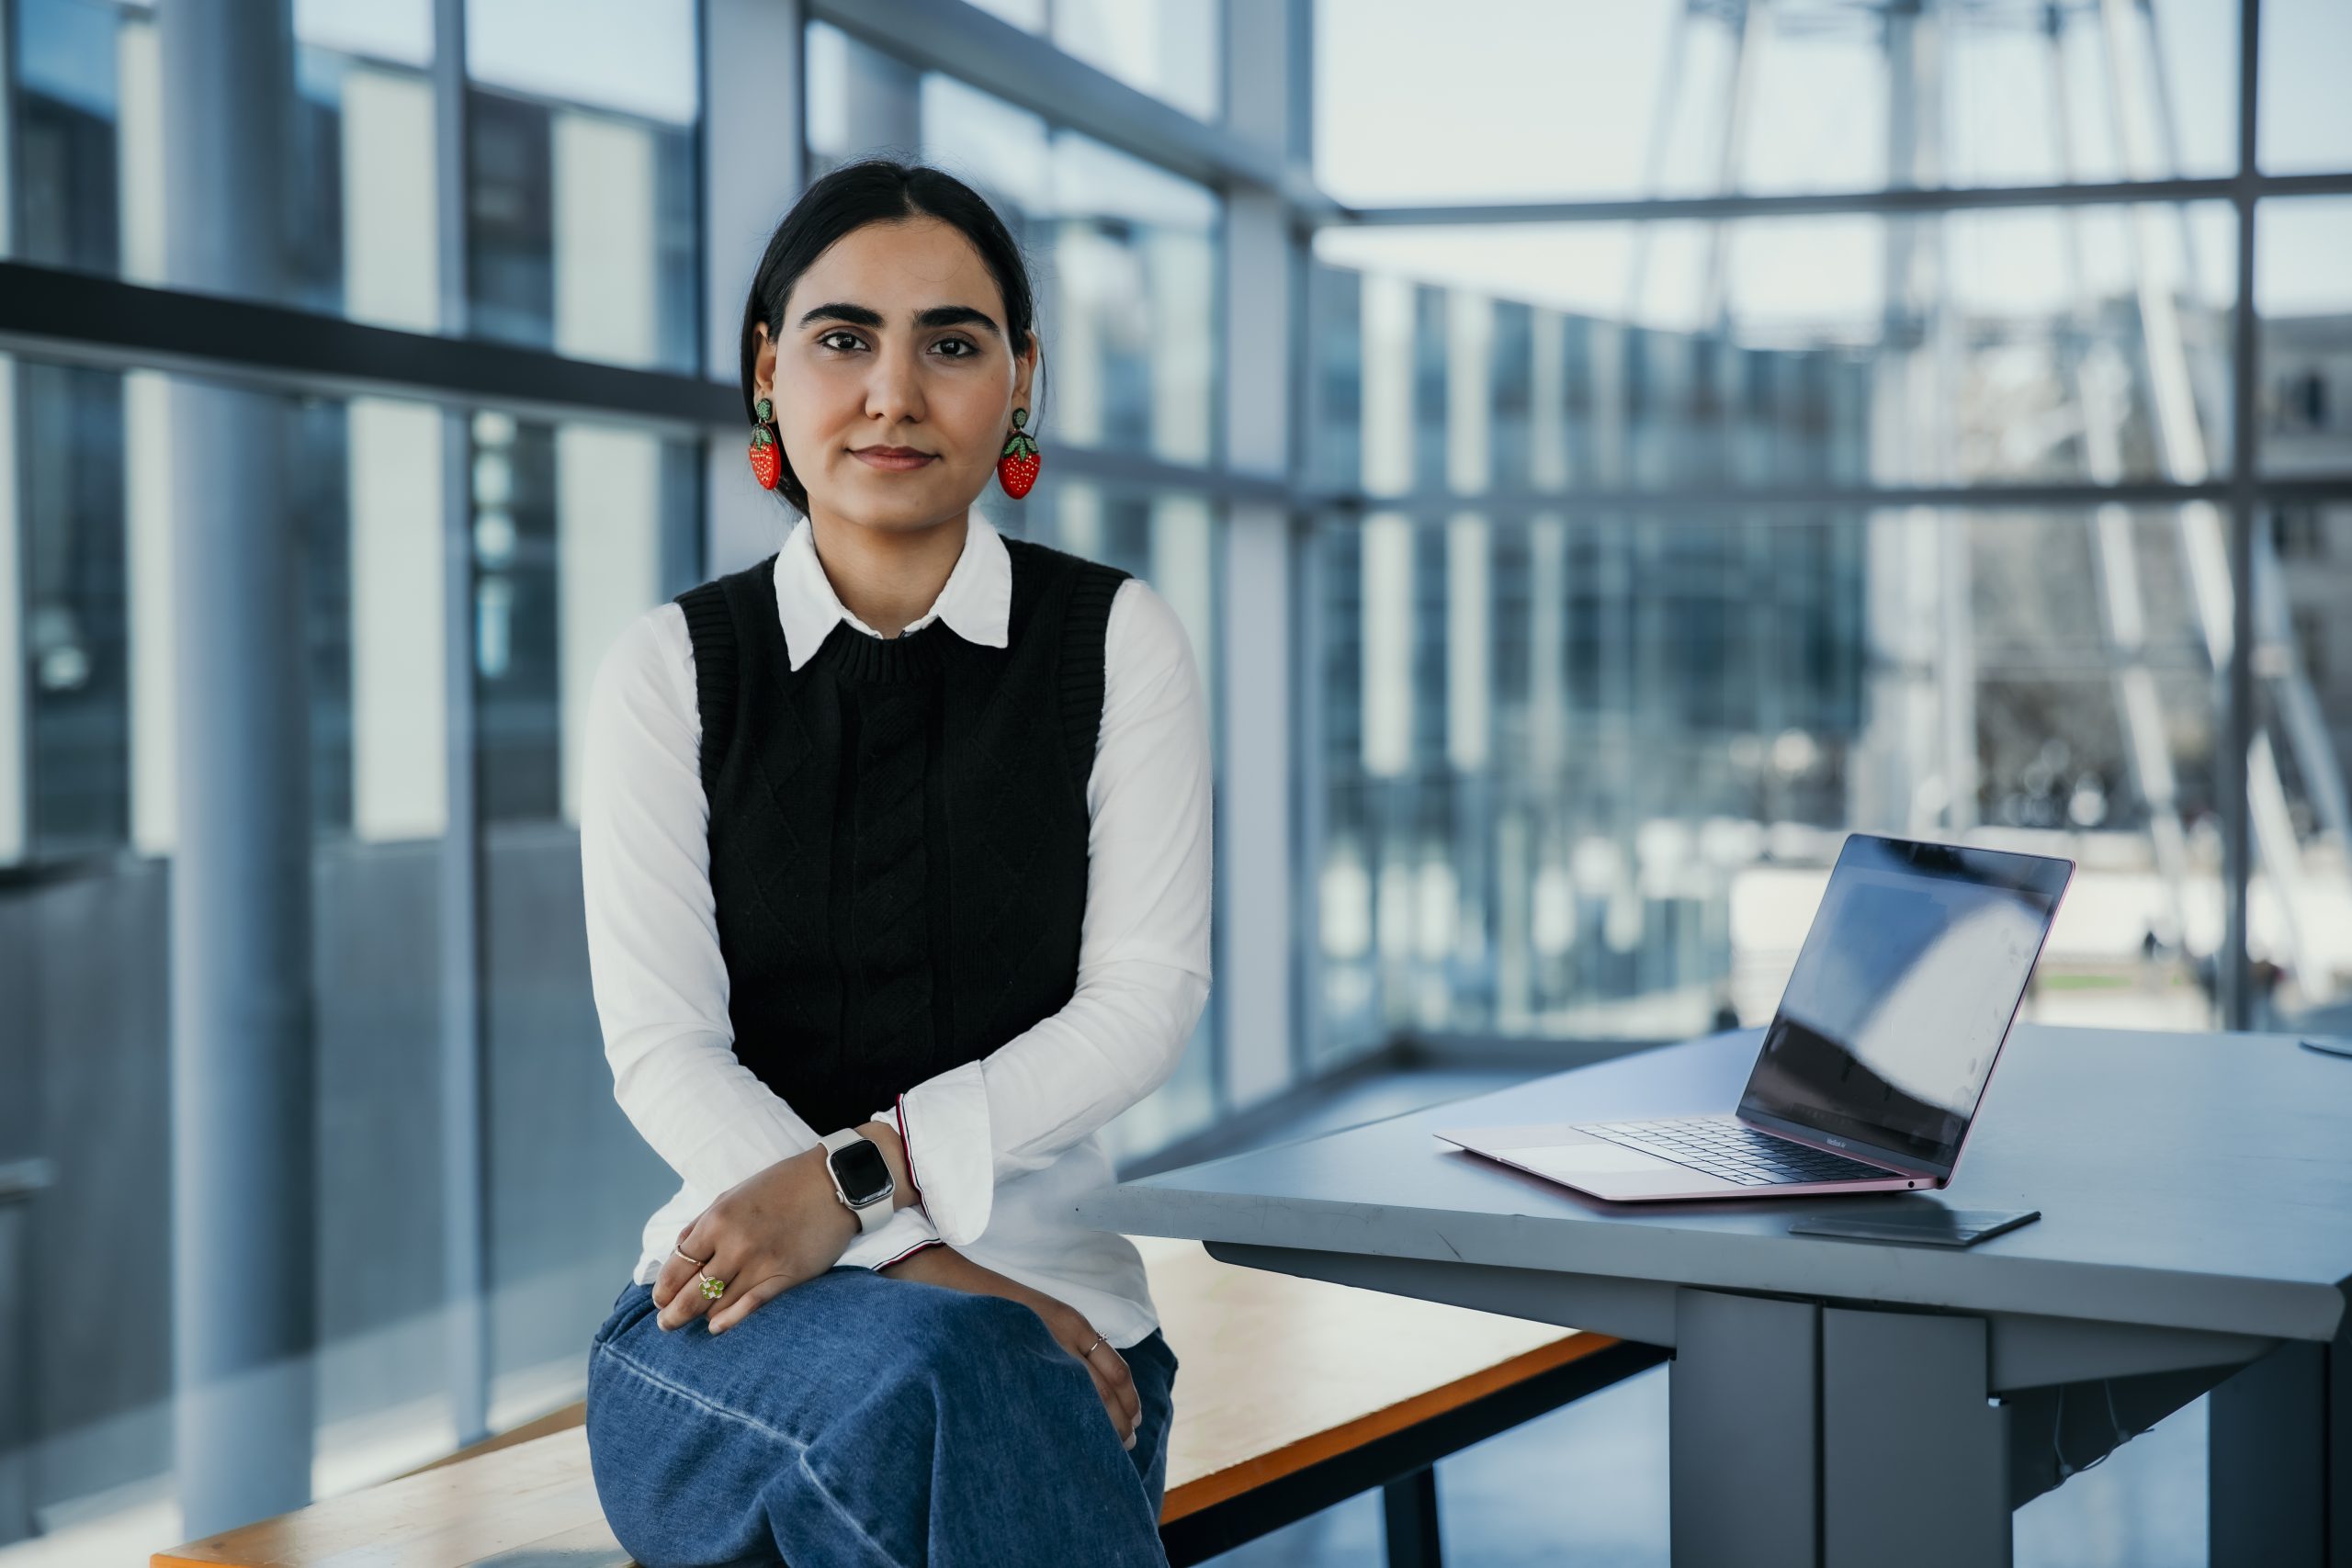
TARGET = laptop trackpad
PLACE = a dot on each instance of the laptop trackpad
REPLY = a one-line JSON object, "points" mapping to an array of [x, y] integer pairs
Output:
{"points": [[1569, 1161], [1612, 1172]]}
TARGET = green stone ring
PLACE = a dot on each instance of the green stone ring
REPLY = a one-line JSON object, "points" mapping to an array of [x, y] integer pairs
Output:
{"points": [[712, 1289]]}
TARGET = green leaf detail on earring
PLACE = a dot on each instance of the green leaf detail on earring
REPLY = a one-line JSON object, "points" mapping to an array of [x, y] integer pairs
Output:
{"points": [[763, 410], [1020, 417]]}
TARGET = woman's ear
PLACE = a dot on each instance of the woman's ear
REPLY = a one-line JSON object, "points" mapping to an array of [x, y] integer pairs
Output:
{"points": [[763, 363], [1024, 375]]}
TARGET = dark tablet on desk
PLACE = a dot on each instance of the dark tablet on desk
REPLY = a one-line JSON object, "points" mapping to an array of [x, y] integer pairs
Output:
{"points": [[1926, 1226]]}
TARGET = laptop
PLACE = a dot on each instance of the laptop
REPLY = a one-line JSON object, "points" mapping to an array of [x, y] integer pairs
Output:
{"points": [[1873, 1068]]}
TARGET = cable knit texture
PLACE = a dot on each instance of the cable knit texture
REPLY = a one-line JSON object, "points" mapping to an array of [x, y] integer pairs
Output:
{"points": [[898, 830]]}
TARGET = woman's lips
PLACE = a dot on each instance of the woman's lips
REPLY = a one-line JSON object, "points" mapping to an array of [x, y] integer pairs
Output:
{"points": [[895, 463]]}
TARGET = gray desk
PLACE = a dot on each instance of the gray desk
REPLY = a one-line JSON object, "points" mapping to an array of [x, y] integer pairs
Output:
{"points": [[1852, 1405]]}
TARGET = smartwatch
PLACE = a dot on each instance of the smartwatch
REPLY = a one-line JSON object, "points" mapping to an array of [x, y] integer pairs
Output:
{"points": [[861, 1176]]}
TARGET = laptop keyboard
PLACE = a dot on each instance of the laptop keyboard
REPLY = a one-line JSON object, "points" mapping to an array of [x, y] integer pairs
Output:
{"points": [[1722, 1147]]}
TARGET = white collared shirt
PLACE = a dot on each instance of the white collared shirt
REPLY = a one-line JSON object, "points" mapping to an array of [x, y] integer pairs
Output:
{"points": [[1000, 1148]]}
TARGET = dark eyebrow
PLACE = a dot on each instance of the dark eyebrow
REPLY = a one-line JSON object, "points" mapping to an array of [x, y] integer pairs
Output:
{"points": [[937, 316]]}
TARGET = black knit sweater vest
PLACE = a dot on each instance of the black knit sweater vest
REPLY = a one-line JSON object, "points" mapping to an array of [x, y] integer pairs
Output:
{"points": [[897, 831]]}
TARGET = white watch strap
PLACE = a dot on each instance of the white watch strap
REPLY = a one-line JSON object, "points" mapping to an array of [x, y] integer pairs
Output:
{"points": [[874, 1215]]}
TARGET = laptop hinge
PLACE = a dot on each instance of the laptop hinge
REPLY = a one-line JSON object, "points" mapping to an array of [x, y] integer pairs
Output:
{"points": [[1869, 1153]]}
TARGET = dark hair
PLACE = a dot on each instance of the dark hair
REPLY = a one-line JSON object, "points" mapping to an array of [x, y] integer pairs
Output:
{"points": [[877, 190]]}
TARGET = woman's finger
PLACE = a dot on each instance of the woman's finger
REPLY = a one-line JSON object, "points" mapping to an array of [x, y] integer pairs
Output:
{"points": [[676, 1271], [1112, 1407], [743, 1298], [1113, 1382], [688, 1300], [1113, 1368]]}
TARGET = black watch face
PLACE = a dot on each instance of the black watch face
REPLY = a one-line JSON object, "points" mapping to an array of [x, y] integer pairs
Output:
{"points": [[863, 1174]]}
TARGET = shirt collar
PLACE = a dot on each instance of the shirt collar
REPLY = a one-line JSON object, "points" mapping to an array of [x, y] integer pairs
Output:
{"points": [[976, 603]]}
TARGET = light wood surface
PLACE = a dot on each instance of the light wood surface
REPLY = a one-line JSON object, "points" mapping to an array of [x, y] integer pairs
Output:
{"points": [[532, 1502], [1274, 1374]]}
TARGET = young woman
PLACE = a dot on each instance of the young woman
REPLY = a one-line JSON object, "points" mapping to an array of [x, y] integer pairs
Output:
{"points": [[896, 854]]}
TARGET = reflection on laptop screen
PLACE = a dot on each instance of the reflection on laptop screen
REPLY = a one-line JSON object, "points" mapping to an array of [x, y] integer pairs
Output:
{"points": [[1904, 991]]}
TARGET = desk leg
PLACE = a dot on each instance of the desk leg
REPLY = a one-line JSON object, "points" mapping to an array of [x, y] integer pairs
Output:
{"points": [[1742, 1445], [2279, 1468], [1803, 1437], [1914, 1455]]}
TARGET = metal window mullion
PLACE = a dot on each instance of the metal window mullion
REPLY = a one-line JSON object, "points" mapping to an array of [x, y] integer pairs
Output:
{"points": [[1886, 200], [2234, 975], [1029, 72], [1772, 501], [465, 1211]]}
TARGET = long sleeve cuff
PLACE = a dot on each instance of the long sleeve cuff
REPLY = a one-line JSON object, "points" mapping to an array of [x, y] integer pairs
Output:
{"points": [[944, 1121], [906, 1233]]}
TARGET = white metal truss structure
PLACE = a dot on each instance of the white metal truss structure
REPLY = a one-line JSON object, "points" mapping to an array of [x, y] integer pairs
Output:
{"points": [[1915, 400]]}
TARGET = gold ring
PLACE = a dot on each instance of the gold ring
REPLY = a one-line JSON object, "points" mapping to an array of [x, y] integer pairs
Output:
{"points": [[1089, 1348], [712, 1289]]}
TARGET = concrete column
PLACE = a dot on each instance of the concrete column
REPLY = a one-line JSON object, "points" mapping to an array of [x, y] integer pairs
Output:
{"points": [[243, 1208], [153, 648], [1256, 959], [15, 772], [15, 756]]}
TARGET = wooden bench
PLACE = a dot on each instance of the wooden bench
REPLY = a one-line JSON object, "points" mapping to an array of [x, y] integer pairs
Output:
{"points": [[1292, 1394]]}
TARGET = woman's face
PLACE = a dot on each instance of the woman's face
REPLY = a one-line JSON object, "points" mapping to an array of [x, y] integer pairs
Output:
{"points": [[895, 337]]}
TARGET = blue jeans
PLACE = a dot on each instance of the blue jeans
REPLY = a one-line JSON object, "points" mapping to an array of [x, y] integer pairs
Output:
{"points": [[857, 1419]]}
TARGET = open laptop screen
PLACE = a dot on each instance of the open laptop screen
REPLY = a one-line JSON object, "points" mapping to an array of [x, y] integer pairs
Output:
{"points": [[1903, 992]]}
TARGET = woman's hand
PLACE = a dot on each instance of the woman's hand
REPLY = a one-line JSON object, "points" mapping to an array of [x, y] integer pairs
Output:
{"points": [[768, 1233], [764, 1234], [945, 1267]]}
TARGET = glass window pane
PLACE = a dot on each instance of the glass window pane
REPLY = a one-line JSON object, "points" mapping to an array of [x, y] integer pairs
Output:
{"points": [[1666, 98], [2303, 294], [1170, 48], [1028, 15], [2055, 344], [1584, 775], [1171, 540], [577, 528], [636, 58], [71, 504], [582, 165], [90, 602], [582, 231], [90, 155], [394, 31], [76, 137], [2299, 906], [1123, 253], [582, 187], [1131, 302], [1167, 48], [88, 788], [2303, 127]]}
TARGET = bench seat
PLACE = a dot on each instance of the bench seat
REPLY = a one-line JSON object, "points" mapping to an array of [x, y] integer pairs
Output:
{"points": [[1291, 1394]]}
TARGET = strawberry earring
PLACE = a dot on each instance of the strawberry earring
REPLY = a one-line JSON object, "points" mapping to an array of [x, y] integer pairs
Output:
{"points": [[767, 454], [1016, 467]]}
